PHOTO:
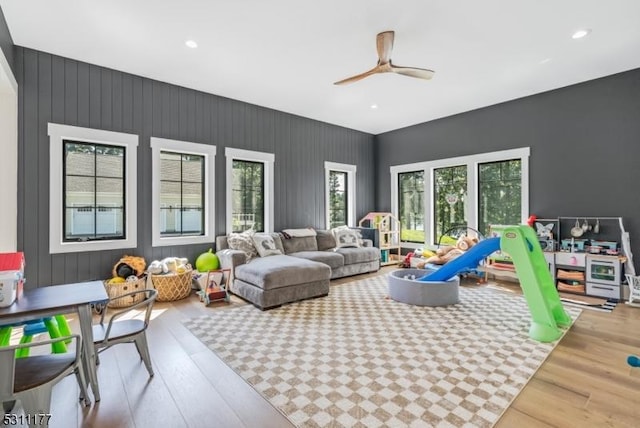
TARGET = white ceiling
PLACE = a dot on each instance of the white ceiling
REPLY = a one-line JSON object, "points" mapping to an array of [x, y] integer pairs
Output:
{"points": [[286, 54]]}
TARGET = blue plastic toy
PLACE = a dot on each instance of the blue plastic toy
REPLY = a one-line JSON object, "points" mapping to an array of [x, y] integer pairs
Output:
{"points": [[633, 361]]}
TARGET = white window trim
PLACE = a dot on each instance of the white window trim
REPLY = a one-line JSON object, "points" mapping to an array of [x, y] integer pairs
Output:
{"points": [[268, 160], [351, 190], [58, 133], [183, 147], [472, 162]]}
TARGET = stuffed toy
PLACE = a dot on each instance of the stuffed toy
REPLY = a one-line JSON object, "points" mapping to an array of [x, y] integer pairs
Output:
{"points": [[450, 252], [169, 265], [407, 260], [155, 267], [128, 266]]}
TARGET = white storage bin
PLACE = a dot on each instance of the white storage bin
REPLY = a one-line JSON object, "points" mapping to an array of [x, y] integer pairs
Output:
{"points": [[9, 287]]}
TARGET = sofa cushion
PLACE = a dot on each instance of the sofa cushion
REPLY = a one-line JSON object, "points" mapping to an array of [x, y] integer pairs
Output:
{"points": [[326, 240], [299, 233], [281, 271], [266, 245], [294, 245], [243, 242], [359, 255], [332, 259], [346, 237]]}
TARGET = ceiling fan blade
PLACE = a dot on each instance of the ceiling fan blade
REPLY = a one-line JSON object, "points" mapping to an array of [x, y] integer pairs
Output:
{"points": [[421, 73], [357, 77], [384, 43]]}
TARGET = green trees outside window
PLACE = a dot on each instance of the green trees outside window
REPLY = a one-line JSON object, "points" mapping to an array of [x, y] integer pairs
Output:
{"points": [[247, 201], [450, 191], [499, 193], [411, 206], [338, 195]]}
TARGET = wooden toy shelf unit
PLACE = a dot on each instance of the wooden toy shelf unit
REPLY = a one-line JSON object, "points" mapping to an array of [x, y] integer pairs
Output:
{"points": [[387, 234]]}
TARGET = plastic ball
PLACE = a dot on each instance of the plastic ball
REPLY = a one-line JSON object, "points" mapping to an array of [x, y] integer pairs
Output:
{"points": [[207, 261]]}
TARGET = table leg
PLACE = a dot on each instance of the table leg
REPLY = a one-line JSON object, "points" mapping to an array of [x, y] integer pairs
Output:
{"points": [[89, 352]]}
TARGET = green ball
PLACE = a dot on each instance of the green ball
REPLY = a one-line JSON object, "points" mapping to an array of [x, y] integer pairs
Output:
{"points": [[207, 261]]}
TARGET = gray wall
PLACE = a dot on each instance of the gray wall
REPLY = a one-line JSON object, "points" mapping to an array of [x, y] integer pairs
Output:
{"points": [[6, 42], [584, 139], [60, 90]]}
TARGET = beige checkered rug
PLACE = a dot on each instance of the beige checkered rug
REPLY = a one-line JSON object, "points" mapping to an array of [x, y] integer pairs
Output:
{"points": [[358, 359]]}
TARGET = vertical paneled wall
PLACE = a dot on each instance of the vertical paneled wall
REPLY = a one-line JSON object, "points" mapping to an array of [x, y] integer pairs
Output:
{"points": [[65, 91], [584, 140]]}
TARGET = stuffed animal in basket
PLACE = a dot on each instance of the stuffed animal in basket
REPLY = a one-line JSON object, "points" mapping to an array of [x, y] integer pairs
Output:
{"points": [[450, 252], [169, 264], [129, 266]]}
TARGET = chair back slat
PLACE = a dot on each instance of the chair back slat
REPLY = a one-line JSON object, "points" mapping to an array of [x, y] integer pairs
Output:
{"points": [[151, 297], [7, 371]]}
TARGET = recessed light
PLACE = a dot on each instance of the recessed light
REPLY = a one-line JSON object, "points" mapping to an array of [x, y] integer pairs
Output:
{"points": [[581, 33], [374, 106], [191, 44]]}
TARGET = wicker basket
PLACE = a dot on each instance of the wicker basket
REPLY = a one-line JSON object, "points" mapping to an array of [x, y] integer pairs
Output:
{"points": [[172, 286], [119, 289]]}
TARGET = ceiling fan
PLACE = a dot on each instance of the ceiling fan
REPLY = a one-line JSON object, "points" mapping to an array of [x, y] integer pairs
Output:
{"points": [[384, 43]]}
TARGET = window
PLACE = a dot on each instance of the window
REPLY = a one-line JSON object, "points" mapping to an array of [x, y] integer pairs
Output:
{"points": [[469, 191], [499, 189], [411, 206], [183, 198], [92, 189], [449, 196], [249, 190], [337, 198], [94, 194], [247, 203], [340, 189]]}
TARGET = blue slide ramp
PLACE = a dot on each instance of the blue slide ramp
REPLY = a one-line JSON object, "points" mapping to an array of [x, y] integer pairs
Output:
{"points": [[468, 260]]}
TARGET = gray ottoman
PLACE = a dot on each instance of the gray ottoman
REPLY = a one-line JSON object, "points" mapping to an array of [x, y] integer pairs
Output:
{"points": [[271, 281], [421, 293]]}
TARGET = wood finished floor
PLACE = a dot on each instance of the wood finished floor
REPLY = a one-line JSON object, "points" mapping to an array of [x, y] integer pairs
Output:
{"points": [[585, 382]]}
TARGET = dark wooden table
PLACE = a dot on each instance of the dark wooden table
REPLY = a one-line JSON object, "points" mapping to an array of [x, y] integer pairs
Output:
{"points": [[63, 299]]}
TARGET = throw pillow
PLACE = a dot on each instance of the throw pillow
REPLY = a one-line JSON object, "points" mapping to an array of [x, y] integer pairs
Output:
{"points": [[299, 233], [243, 242], [326, 240], [346, 237], [265, 244]]}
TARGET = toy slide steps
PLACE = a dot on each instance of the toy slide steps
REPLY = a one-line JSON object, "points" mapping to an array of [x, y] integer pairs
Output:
{"points": [[468, 260], [547, 312]]}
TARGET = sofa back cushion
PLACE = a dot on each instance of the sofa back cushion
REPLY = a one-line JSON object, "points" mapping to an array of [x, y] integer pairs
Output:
{"points": [[221, 242], [295, 245], [346, 237], [243, 242], [326, 240], [268, 244]]}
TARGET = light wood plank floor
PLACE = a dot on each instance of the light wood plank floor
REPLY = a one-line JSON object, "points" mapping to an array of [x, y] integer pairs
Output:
{"points": [[585, 382]]}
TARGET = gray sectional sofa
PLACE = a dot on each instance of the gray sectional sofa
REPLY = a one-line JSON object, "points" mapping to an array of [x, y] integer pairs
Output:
{"points": [[302, 270]]}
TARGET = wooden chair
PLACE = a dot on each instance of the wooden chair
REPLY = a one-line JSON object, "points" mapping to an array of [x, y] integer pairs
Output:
{"points": [[126, 330], [31, 379]]}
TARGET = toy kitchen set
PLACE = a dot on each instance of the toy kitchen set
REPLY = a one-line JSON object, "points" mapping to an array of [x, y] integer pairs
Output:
{"points": [[586, 255]]}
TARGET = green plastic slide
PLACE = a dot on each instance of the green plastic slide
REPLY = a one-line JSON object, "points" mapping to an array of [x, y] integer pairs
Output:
{"points": [[547, 312]]}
